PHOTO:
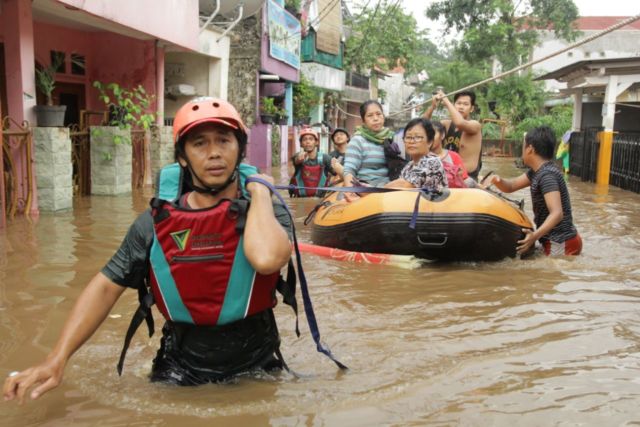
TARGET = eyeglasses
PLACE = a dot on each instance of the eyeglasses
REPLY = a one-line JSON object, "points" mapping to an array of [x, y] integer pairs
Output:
{"points": [[414, 138]]}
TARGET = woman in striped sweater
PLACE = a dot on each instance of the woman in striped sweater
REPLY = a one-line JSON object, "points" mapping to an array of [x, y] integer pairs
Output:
{"points": [[365, 160]]}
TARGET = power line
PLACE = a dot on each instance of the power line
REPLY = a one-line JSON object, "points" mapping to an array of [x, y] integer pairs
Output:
{"points": [[523, 66]]}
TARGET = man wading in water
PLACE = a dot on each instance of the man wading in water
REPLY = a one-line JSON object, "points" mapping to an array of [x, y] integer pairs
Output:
{"points": [[211, 255]]}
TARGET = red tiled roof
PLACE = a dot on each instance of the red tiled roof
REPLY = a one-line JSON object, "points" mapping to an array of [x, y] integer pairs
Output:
{"points": [[585, 23]]}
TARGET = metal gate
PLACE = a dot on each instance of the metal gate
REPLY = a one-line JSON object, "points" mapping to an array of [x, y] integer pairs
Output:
{"points": [[17, 161], [139, 152], [81, 150], [583, 153], [625, 161]]}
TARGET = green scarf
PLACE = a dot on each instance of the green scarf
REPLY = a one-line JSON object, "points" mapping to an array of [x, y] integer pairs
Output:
{"points": [[375, 137]]}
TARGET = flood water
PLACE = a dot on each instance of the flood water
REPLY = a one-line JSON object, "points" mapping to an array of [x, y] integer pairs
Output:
{"points": [[536, 342]]}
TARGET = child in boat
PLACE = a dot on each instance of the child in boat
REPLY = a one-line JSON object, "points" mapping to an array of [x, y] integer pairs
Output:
{"points": [[549, 195], [457, 175], [425, 170]]}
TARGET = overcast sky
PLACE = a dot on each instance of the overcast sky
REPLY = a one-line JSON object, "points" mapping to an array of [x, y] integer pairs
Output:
{"points": [[586, 8]]}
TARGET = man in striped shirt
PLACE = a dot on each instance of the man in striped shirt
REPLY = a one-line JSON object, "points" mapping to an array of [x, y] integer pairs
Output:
{"points": [[549, 195]]}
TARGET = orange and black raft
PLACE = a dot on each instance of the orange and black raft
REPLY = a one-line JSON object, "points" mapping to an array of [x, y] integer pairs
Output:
{"points": [[457, 225]]}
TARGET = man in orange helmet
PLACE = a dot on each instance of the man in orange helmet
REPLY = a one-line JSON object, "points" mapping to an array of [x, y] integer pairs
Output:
{"points": [[310, 166], [210, 258]]}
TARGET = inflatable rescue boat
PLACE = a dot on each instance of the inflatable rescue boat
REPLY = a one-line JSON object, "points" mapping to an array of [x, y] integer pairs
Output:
{"points": [[457, 225]]}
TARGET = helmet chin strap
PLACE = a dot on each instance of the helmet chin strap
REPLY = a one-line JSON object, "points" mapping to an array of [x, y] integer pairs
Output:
{"points": [[205, 189]]}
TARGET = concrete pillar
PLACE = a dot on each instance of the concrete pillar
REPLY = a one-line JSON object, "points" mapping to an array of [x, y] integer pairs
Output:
{"points": [[614, 88], [577, 111], [54, 174], [111, 162], [161, 149], [288, 102], [19, 59], [17, 21], [159, 84]]}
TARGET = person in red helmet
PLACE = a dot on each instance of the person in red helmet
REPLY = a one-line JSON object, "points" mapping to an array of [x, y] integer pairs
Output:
{"points": [[208, 253], [310, 166]]}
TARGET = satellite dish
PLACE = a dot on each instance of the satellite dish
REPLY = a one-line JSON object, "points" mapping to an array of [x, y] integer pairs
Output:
{"points": [[229, 8]]}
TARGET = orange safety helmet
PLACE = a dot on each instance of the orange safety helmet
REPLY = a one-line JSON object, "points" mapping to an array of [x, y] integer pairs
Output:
{"points": [[206, 110], [308, 131]]}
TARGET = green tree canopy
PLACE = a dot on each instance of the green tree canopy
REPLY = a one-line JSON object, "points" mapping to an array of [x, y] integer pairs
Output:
{"points": [[504, 29], [384, 36]]}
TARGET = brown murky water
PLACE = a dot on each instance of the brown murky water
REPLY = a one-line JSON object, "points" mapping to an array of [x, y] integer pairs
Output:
{"points": [[536, 342]]}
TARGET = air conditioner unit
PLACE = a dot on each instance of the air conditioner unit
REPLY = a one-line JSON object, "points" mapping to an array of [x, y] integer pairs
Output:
{"points": [[181, 90]]}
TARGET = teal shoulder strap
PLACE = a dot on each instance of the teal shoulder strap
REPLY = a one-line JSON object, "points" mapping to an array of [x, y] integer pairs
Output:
{"points": [[169, 182], [245, 170]]}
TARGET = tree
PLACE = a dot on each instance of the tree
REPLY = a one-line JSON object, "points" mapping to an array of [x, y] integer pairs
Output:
{"points": [[504, 29], [559, 119], [384, 37], [517, 97]]}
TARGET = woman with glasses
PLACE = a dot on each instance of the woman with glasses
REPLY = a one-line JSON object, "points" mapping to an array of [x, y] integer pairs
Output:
{"points": [[425, 170]]}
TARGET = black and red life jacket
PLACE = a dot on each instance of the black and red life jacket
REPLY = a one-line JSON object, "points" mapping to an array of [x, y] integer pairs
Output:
{"points": [[309, 176], [199, 273]]}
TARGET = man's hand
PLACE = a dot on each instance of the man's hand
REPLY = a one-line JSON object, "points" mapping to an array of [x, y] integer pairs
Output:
{"points": [[337, 167], [525, 244], [301, 157], [255, 188], [434, 101], [438, 97], [45, 377], [491, 180]]}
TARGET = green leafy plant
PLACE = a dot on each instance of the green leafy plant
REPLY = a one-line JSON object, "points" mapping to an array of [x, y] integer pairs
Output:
{"points": [[559, 118], [268, 106], [305, 97], [293, 5], [46, 78], [128, 107]]}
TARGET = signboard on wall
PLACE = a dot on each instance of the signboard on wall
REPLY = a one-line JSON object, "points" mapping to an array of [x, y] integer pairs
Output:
{"points": [[329, 28], [284, 35]]}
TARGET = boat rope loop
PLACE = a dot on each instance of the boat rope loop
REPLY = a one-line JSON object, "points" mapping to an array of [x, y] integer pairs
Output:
{"points": [[306, 298]]}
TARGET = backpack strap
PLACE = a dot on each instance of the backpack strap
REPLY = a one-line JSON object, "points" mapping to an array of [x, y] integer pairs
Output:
{"points": [[142, 313]]}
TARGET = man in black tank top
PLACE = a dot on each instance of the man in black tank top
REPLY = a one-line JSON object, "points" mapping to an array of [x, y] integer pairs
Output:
{"points": [[452, 138], [464, 135], [549, 194]]}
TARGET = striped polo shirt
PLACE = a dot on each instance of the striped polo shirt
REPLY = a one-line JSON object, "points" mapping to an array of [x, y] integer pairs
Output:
{"points": [[545, 180], [365, 160]]}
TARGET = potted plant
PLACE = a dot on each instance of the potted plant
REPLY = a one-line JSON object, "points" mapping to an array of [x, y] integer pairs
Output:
{"points": [[49, 115], [127, 107], [268, 110], [282, 117]]}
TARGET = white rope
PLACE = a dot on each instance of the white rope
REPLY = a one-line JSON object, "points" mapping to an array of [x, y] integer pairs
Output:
{"points": [[523, 66]]}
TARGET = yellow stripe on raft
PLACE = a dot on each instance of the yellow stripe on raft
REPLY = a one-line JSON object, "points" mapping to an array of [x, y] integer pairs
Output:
{"points": [[459, 201]]}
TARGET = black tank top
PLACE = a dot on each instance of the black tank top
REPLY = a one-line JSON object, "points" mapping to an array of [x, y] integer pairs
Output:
{"points": [[452, 138]]}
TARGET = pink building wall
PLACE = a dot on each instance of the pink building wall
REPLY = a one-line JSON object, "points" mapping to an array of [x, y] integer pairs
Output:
{"points": [[109, 58], [175, 21]]}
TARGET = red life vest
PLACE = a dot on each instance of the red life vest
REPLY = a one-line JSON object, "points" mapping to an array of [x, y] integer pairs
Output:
{"points": [[199, 273], [309, 176]]}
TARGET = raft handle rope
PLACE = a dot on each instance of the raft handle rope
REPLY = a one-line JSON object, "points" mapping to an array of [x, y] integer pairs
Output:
{"points": [[306, 298], [518, 203]]}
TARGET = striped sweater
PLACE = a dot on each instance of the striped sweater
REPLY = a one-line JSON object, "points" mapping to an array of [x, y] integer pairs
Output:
{"points": [[365, 160]]}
